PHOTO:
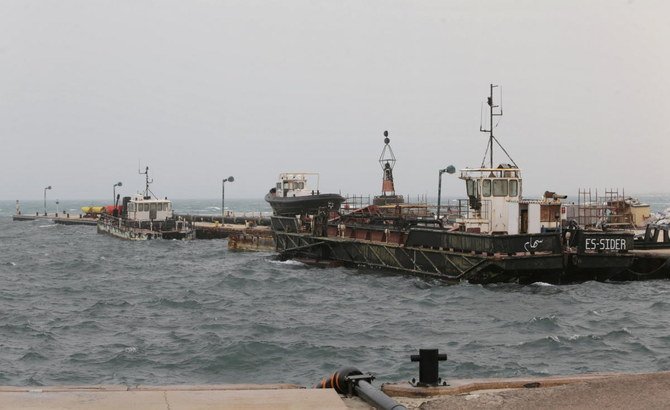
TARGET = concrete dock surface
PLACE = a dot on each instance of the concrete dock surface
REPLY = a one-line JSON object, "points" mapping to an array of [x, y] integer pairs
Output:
{"points": [[226, 397], [589, 391]]}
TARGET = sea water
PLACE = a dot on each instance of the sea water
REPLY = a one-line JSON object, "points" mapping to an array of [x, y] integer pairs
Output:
{"points": [[77, 307]]}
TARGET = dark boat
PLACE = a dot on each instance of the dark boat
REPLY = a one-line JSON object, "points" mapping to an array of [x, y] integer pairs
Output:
{"points": [[292, 196], [496, 236]]}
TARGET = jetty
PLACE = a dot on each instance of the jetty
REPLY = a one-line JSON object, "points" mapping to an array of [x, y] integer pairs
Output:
{"points": [[63, 219], [252, 228]]}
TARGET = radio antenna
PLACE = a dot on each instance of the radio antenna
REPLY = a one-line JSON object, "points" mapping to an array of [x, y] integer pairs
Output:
{"points": [[495, 110], [148, 181]]}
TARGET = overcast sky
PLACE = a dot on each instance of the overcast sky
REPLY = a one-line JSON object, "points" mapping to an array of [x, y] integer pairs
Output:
{"points": [[200, 90]]}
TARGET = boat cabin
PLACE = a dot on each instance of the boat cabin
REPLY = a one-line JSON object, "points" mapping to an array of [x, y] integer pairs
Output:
{"points": [[296, 184], [490, 190], [142, 208], [496, 205]]}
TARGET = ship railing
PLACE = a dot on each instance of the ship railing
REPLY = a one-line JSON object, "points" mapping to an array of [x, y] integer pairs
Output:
{"points": [[258, 217], [354, 202], [466, 211], [248, 214], [154, 225]]}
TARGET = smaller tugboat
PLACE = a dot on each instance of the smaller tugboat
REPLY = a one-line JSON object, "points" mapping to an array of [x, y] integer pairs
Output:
{"points": [[145, 217], [292, 196]]}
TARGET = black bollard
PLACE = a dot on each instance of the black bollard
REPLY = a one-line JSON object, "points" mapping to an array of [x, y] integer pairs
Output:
{"points": [[428, 366]]}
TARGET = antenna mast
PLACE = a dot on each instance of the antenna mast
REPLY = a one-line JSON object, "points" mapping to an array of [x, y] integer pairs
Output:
{"points": [[147, 182], [495, 110]]}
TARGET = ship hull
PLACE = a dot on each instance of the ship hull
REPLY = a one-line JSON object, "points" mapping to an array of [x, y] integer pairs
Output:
{"points": [[302, 205], [122, 231]]}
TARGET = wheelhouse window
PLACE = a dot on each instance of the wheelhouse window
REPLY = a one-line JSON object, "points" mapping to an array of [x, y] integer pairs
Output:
{"points": [[513, 187], [471, 187], [499, 187], [486, 187]]}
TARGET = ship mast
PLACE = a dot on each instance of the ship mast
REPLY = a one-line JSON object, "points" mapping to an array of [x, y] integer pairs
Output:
{"points": [[495, 110], [147, 182]]}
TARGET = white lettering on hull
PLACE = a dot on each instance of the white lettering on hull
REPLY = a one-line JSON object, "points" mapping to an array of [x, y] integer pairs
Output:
{"points": [[605, 244]]}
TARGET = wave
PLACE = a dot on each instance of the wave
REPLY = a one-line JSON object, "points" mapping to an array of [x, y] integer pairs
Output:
{"points": [[32, 357], [542, 284], [544, 322], [86, 325], [179, 304], [623, 333], [660, 305], [103, 304], [25, 330], [289, 262]]}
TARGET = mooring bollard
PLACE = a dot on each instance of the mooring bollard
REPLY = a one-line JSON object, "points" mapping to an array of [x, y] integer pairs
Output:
{"points": [[428, 367]]}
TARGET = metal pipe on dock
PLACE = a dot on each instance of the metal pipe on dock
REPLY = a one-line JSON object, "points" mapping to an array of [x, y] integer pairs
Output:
{"points": [[351, 381], [376, 397]]}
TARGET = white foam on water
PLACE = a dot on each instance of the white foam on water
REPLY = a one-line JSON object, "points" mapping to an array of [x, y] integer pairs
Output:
{"points": [[288, 262]]}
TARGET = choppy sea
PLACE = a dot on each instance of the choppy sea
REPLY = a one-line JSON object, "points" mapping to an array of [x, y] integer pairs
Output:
{"points": [[77, 307]]}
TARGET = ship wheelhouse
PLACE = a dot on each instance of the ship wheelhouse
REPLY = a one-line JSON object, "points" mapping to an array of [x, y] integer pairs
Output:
{"points": [[489, 191], [149, 209], [296, 184]]}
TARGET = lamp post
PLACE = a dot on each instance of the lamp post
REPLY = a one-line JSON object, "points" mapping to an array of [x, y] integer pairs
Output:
{"points": [[45, 199], [449, 170], [114, 196], [223, 194], [57, 207]]}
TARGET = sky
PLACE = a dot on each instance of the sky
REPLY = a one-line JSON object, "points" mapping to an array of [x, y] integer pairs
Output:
{"points": [[202, 90]]}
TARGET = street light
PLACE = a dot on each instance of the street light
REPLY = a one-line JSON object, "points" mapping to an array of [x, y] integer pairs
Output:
{"points": [[223, 194], [449, 170], [114, 197], [45, 199]]}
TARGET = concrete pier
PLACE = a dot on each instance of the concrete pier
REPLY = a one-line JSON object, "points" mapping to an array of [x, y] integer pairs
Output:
{"points": [[232, 397], [204, 229], [585, 391], [60, 218]]}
